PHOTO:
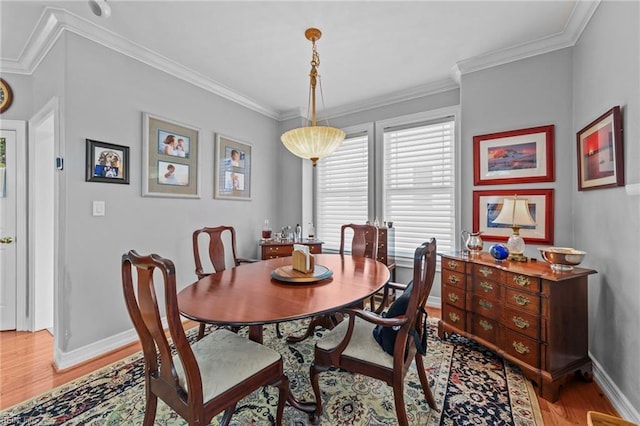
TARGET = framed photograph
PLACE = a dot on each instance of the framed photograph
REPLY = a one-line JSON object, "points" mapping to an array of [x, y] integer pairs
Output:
{"points": [[233, 169], [517, 156], [600, 156], [170, 156], [487, 206], [107, 162]]}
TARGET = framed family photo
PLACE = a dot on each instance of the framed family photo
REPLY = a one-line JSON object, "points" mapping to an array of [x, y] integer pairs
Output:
{"points": [[170, 158], [232, 169], [516, 156], [487, 206], [600, 156], [106, 162]]}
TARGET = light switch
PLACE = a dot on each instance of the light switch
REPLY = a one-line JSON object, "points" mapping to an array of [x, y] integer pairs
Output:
{"points": [[98, 208]]}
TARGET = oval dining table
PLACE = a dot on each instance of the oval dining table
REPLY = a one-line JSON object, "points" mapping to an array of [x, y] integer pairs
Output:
{"points": [[248, 295]]}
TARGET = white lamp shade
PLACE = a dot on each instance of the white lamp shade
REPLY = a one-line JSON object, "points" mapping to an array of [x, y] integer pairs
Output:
{"points": [[313, 142], [515, 211]]}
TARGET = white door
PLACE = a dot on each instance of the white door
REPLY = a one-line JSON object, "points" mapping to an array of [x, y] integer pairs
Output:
{"points": [[8, 207]]}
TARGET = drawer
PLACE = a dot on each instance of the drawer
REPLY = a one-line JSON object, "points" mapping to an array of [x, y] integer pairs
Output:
{"points": [[452, 264], [521, 281], [522, 347], [453, 279], [453, 296], [525, 301], [314, 248], [522, 322], [454, 316], [486, 288], [487, 272], [485, 328], [485, 307], [282, 250]]}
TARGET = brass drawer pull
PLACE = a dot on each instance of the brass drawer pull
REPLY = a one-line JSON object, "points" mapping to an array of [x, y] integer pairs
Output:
{"points": [[521, 348], [487, 287], [520, 322], [486, 325], [452, 264], [453, 297], [453, 279], [520, 299], [485, 271], [521, 280], [485, 304], [454, 317]]}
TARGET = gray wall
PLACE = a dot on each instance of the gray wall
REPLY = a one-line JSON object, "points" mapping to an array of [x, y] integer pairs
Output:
{"points": [[606, 222]]}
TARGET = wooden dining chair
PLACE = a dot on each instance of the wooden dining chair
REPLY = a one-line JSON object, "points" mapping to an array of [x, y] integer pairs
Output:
{"points": [[200, 380], [351, 345]]}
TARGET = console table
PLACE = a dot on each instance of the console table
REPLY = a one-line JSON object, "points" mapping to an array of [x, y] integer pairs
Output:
{"points": [[273, 249], [524, 311]]}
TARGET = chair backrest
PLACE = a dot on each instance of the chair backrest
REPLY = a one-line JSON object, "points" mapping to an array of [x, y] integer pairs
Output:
{"points": [[141, 297], [364, 242], [216, 248]]}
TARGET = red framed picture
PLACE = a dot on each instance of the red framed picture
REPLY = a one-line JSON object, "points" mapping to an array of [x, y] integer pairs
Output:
{"points": [[517, 156], [487, 206], [600, 156]]}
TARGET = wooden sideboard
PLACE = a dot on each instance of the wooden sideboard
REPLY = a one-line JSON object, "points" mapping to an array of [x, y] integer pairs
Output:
{"points": [[273, 249], [524, 311]]}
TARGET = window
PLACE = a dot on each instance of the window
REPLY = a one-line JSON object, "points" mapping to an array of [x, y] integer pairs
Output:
{"points": [[405, 174]]}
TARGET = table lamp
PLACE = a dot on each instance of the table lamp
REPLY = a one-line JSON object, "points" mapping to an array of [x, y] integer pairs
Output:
{"points": [[515, 213]]}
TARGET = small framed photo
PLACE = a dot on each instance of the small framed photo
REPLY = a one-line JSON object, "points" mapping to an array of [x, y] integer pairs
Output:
{"points": [[487, 206], [516, 156], [600, 156], [107, 162], [170, 158], [233, 169]]}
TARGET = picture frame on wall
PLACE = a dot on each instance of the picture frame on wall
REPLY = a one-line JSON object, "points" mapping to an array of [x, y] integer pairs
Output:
{"points": [[487, 206], [232, 169], [600, 152], [516, 156], [170, 154], [106, 162]]}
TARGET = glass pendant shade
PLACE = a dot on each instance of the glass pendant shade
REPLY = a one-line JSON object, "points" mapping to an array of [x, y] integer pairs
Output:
{"points": [[313, 142]]}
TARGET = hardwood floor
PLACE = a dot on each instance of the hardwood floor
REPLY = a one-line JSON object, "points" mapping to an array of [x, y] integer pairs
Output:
{"points": [[26, 370]]}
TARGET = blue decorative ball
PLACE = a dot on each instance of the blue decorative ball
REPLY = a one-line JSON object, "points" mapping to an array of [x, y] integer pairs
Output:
{"points": [[499, 251]]}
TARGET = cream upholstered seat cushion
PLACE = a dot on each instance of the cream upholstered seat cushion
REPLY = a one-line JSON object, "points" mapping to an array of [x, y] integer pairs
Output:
{"points": [[362, 344], [226, 359]]}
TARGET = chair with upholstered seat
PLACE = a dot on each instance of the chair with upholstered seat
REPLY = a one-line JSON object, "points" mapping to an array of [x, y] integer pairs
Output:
{"points": [[202, 380], [351, 345]]}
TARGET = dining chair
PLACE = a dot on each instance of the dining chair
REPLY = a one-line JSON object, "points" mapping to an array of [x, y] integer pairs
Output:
{"points": [[219, 258], [351, 345], [200, 380], [364, 243]]}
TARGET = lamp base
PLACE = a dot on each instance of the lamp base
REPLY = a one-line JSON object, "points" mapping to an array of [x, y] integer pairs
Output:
{"points": [[518, 257]]}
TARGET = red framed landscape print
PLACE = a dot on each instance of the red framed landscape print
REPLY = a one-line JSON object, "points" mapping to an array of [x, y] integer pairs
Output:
{"points": [[516, 156], [600, 156], [487, 206]]}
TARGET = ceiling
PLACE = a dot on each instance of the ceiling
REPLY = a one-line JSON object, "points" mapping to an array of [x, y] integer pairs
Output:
{"points": [[372, 52]]}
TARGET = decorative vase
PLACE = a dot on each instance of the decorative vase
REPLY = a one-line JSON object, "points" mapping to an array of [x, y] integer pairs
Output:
{"points": [[499, 252]]}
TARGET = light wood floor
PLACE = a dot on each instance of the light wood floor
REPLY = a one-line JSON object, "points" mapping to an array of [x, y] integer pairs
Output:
{"points": [[26, 370]]}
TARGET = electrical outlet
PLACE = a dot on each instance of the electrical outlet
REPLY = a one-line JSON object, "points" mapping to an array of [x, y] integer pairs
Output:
{"points": [[98, 208]]}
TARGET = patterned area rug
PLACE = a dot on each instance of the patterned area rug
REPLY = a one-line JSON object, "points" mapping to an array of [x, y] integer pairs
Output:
{"points": [[471, 386]]}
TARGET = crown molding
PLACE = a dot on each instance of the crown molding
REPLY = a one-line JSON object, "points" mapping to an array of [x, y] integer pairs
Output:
{"points": [[580, 16]]}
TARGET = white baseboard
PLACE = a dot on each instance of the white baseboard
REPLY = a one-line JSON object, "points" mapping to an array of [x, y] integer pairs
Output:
{"points": [[619, 401]]}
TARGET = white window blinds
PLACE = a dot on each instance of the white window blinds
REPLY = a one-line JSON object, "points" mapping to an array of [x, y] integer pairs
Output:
{"points": [[342, 189], [419, 184]]}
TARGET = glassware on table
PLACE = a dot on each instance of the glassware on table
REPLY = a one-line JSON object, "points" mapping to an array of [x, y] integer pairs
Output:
{"points": [[311, 232], [266, 230]]}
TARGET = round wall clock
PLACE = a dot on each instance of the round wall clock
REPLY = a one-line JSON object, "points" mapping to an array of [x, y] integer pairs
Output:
{"points": [[6, 95]]}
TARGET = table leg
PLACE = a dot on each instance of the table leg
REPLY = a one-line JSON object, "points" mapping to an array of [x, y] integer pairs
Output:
{"points": [[255, 333], [327, 321]]}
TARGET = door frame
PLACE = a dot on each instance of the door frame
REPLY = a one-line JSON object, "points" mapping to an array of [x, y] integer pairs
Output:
{"points": [[20, 127]]}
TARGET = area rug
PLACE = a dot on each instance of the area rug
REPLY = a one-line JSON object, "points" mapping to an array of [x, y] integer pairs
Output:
{"points": [[471, 385]]}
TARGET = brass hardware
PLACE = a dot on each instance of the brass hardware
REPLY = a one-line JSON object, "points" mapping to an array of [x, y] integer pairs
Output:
{"points": [[6, 240], [454, 317], [486, 325], [486, 286], [453, 297], [520, 299], [486, 271], [485, 304], [453, 264], [453, 279], [522, 281], [520, 322], [520, 347]]}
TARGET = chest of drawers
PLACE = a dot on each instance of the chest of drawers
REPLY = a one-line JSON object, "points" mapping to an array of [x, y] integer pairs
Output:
{"points": [[272, 249], [527, 313]]}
